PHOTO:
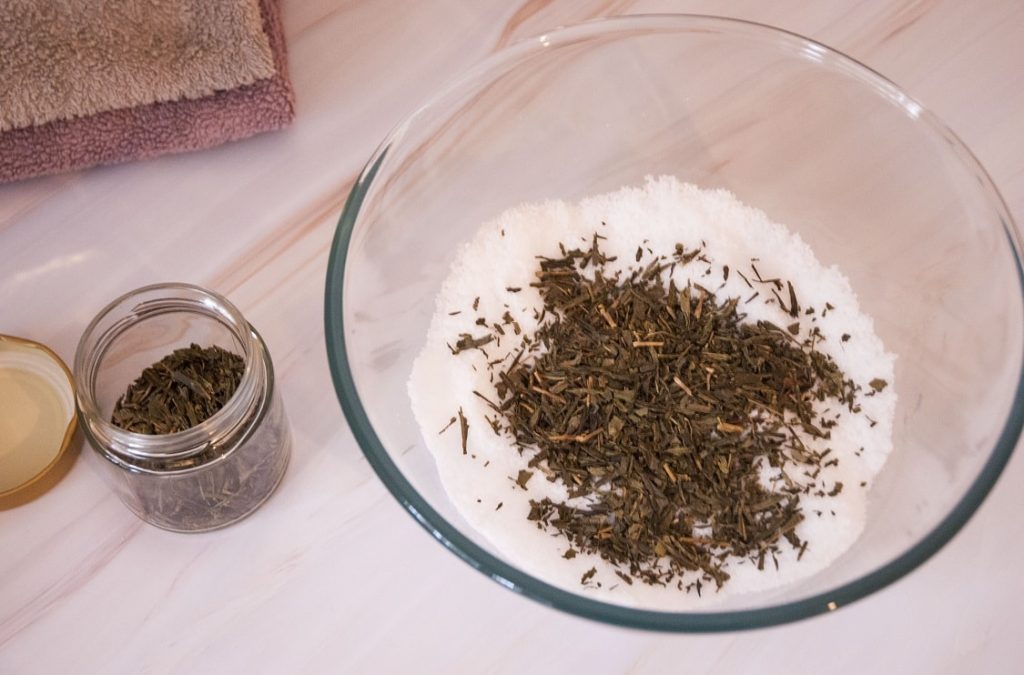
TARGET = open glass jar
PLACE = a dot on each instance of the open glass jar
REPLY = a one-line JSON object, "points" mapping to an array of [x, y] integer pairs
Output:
{"points": [[214, 473]]}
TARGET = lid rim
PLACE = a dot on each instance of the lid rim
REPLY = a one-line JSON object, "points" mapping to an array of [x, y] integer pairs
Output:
{"points": [[72, 426]]}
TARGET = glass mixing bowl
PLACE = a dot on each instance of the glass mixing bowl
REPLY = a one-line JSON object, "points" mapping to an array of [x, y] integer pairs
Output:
{"points": [[866, 176]]}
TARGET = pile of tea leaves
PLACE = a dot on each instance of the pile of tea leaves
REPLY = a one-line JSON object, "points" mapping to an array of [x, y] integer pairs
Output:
{"points": [[662, 411], [181, 390]]}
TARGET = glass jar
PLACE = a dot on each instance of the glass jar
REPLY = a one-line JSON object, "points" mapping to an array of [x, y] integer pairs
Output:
{"points": [[214, 473]]}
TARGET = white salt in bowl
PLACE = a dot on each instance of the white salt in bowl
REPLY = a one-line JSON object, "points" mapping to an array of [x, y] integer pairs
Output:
{"points": [[871, 180]]}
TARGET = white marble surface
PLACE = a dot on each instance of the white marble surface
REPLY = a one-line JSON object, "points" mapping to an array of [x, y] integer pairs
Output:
{"points": [[331, 575]]}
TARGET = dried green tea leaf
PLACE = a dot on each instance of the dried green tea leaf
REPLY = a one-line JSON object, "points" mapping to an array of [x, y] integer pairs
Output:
{"points": [[467, 342], [464, 427], [182, 390], [447, 426]]}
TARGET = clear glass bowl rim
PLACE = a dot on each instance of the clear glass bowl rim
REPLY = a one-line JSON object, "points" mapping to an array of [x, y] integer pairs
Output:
{"points": [[520, 582]]}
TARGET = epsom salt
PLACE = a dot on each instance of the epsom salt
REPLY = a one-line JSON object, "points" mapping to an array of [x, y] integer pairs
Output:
{"points": [[492, 275]]}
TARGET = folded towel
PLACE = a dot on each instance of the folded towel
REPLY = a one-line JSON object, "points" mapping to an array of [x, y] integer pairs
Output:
{"points": [[258, 100], [61, 59]]}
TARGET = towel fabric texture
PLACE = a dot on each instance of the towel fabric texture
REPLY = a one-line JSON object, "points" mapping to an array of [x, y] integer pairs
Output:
{"points": [[182, 77], [67, 58]]}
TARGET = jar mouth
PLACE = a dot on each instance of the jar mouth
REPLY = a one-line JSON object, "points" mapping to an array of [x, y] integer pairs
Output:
{"points": [[133, 308]]}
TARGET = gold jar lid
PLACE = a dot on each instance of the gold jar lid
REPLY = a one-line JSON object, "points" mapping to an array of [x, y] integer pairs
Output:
{"points": [[37, 412]]}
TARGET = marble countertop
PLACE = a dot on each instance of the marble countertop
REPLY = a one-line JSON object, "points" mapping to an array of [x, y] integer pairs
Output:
{"points": [[331, 575]]}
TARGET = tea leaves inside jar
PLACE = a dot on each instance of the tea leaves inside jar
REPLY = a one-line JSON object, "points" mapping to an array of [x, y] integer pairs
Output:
{"points": [[181, 390]]}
